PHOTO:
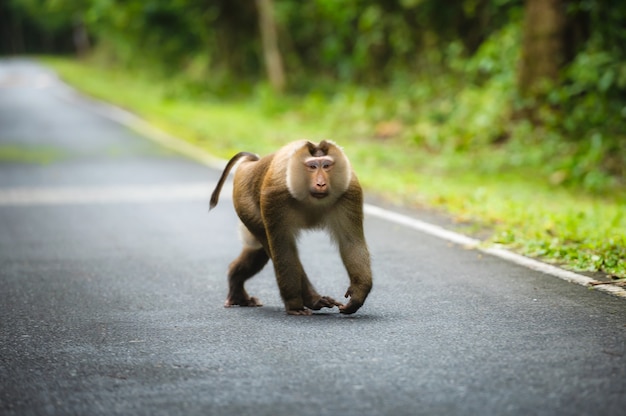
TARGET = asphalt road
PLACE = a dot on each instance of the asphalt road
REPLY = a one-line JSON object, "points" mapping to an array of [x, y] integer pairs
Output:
{"points": [[112, 277]]}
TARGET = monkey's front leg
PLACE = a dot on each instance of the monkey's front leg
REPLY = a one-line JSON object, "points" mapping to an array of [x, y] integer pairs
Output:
{"points": [[289, 277], [309, 297], [311, 300], [295, 288], [356, 259]]}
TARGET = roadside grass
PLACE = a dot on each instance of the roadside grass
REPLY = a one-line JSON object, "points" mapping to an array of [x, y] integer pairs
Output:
{"points": [[505, 192], [14, 153]]}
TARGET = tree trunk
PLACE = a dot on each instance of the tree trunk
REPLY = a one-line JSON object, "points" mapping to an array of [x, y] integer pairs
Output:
{"points": [[81, 38], [542, 46], [271, 53]]}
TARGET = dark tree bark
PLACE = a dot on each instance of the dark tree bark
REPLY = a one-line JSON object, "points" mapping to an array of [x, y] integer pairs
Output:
{"points": [[81, 38], [271, 53], [543, 49]]}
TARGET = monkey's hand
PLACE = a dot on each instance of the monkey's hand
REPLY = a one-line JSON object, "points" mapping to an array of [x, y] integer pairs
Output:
{"points": [[242, 301], [323, 302], [355, 302]]}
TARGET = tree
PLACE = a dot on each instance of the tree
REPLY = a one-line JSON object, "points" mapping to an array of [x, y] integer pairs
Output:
{"points": [[543, 49], [271, 53]]}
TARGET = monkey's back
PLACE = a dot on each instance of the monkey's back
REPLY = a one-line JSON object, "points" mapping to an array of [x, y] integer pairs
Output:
{"points": [[247, 188]]}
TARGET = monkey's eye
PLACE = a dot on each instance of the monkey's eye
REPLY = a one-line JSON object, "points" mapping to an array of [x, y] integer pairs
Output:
{"points": [[327, 165], [311, 166]]}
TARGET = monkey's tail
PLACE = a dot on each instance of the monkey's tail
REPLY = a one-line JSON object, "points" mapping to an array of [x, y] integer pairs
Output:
{"points": [[232, 162]]}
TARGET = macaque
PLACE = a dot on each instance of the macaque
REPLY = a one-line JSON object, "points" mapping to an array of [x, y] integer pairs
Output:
{"points": [[302, 186]]}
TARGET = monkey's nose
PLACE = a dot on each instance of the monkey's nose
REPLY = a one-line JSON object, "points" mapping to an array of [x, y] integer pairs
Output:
{"points": [[321, 189]]}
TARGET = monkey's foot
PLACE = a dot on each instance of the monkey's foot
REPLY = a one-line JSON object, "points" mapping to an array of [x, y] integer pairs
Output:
{"points": [[323, 302], [251, 301]]}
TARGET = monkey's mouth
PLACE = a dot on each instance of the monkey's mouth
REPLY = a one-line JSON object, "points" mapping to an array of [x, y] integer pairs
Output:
{"points": [[319, 195]]}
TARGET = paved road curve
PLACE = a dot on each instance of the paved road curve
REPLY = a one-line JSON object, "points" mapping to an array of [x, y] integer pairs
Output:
{"points": [[112, 279]]}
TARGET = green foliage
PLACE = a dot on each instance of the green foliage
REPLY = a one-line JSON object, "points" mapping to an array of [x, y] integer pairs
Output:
{"points": [[351, 41], [584, 117], [377, 41], [52, 15], [592, 95]]}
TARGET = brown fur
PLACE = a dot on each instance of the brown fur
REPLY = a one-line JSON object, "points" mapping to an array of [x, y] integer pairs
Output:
{"points": [[301, 186]]}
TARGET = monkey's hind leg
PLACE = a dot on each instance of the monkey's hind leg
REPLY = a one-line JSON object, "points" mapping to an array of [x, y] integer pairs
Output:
{"points": [[249, 263]]}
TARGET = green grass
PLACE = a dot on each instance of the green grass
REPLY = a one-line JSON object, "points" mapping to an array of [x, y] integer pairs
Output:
{"points": [[13, 153], [508, 192]]}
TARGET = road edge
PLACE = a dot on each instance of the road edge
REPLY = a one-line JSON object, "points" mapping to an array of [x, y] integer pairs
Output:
{"points": [[496, 251], [199, 154]]}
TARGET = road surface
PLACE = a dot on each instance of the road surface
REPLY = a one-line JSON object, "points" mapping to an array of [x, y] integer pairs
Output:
{"points": [[112, 277]]}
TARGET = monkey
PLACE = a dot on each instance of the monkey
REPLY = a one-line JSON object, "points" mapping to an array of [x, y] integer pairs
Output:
{"points": [[301, 186]]}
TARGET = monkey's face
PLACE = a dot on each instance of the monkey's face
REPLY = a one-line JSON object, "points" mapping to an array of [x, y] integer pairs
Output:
{"points": [[318, 170], [317, 174]]}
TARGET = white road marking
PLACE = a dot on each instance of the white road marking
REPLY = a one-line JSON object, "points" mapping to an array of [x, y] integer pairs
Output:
{"points": [[128, 119], [147, 130], [421, 226], [496, 251], [31, 196]]}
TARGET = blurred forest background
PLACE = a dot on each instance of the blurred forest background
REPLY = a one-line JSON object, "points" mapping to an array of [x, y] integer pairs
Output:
{"points": [[558, 64], [458, 101]]}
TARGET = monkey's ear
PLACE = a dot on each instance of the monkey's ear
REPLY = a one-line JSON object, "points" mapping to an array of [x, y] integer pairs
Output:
{"points": [[324, 146], [318, 150], [311, 147]]}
